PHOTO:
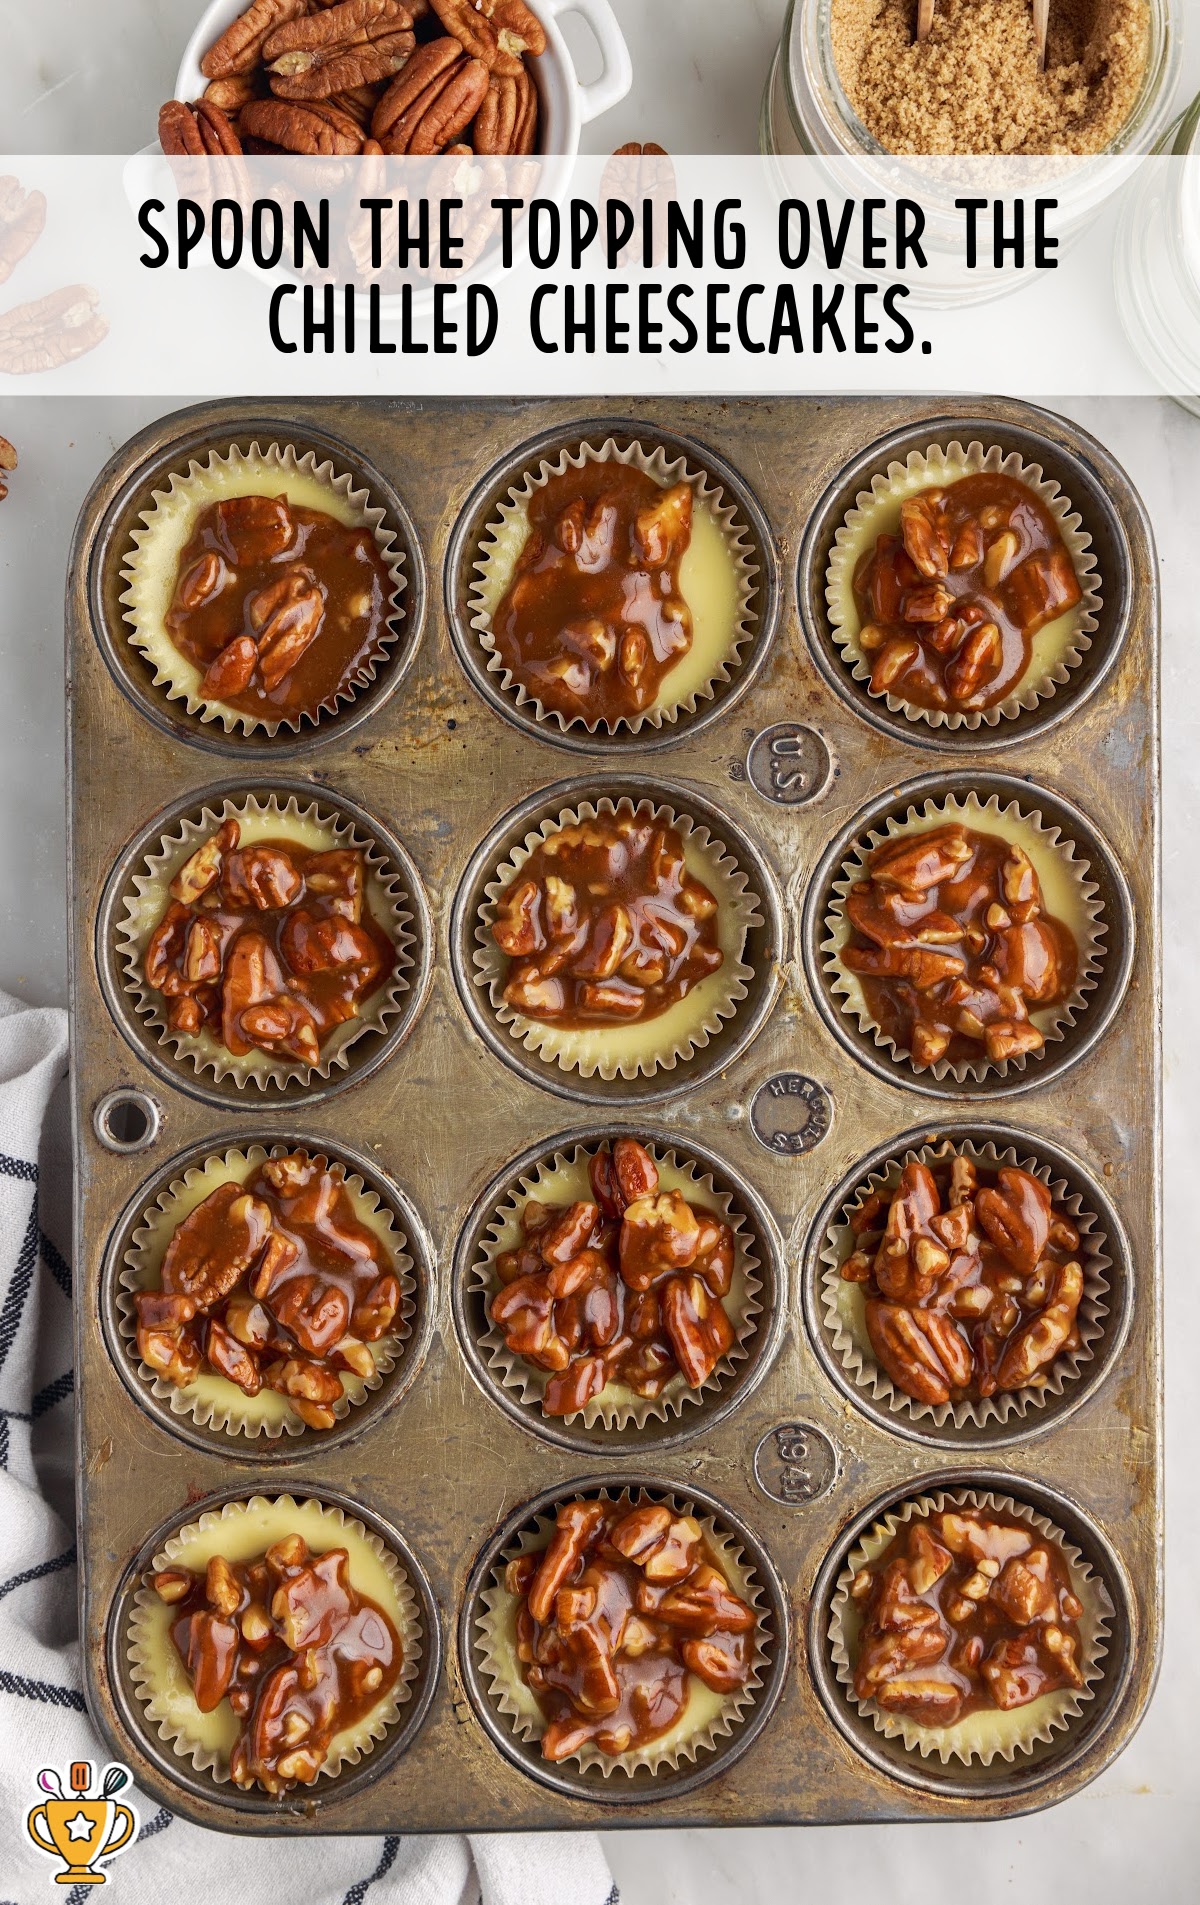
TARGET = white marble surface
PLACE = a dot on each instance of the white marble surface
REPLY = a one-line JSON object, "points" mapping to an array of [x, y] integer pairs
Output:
{"points": [[87, 75]]}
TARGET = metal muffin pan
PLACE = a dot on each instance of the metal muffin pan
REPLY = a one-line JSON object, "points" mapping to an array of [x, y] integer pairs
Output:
{"points": [[788, 1112]]}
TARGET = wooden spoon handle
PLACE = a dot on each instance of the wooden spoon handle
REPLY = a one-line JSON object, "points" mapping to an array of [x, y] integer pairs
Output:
{"points": [[925, 18], [1041, 26]]}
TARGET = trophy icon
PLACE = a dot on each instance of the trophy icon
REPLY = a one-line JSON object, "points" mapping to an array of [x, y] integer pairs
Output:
{"points": [[78, 1828]]}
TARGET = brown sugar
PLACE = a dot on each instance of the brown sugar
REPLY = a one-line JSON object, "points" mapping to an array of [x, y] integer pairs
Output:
{"points": [[974, 85]]}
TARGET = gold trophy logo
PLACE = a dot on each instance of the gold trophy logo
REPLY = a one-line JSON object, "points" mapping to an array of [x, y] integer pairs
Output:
{"points": [[78, 1828]]}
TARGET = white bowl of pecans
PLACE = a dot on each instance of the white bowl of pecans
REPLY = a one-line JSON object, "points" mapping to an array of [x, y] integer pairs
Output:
{"points": [[397, 76]]}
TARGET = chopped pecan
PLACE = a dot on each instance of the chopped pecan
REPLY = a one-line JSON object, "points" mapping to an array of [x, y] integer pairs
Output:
{"points": [[659, 1233], [314, 127], [263, 877], [239, 48], [202, 868], [232, 671], [497, 32], [575, 1524], [432, 101], [286, 617], [194, 131], [356, 43], [916, 865], [1044, 1335]]}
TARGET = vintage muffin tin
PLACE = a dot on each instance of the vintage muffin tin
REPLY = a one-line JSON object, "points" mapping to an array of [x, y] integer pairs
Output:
{"points": [[790, 762]]}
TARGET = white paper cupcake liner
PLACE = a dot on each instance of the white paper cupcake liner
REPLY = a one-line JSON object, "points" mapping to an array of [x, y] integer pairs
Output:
{"points": [[242, 1531], [563, 1179], [709, 1719], [660, 1043], [211, 1400], [1068, 895], [317, 828], [842, 1303], [718, 578], [1055, 650], [990, 1733], [150, 568]]}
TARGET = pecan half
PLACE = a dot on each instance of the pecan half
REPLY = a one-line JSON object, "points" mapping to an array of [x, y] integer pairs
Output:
{"points": [[8, 463], [233, 93], [239, 49], [498, 32], [51, 331], [921, 1350], [195, 131], [22, 222], [507, 120], [353, 44], [432, 101], [315, 127]]}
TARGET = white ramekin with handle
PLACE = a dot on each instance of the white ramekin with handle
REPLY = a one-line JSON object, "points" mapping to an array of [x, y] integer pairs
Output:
{"points": [[567, 104]]}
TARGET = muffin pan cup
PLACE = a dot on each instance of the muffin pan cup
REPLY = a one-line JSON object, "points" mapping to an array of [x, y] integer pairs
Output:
{"points": [[781, 1109]]}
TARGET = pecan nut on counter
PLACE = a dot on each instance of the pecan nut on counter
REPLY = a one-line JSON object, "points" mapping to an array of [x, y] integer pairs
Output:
{"points": [[269, 947], [952, 945], [965, 1611], [627, 1288], [604, 922], [972, 1287], [594, 618], [950, 607], [276, 1284], [290, 1643], [615, 1615], [279, 607]]}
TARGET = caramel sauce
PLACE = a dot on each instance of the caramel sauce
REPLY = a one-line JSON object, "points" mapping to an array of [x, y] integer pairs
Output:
{"points": [[952, 946], [965, 1612], [625, 1289], [604, 923], [294, 653], [930, 588], [273, 1282], [614, 1615], [274, 952], [593, 618], [297, 1651]]}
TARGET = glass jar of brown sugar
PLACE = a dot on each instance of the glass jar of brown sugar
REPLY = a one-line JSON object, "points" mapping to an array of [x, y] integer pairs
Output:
{"points": [[840, 82]]}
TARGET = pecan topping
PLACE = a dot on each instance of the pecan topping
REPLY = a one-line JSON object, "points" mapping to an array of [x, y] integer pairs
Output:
{"points": [[949, 607], [194, 131], [240, 47], [615, 1612], [273, 1281], [288, 1640], [356, 43], [626, 1290], [279, 607], [593, 619], [498, 32], [972, 1283], [8, 463], [252, 951], [434, 99], [604, 921], [953, 948], [964, 1612]]}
